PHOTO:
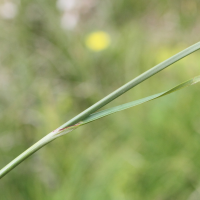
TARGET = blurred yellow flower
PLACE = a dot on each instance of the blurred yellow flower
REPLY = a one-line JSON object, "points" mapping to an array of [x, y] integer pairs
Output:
{"points": [[98, 41]]}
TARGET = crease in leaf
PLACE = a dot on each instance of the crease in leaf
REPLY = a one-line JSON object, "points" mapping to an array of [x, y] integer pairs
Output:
{"points": [[109, 111]]}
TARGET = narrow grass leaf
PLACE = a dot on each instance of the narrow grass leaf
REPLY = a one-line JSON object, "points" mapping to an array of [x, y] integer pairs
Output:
{"points": [[109, 111]]}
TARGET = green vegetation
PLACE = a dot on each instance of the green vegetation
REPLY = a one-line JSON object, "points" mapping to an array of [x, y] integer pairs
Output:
{"points": [[47, 74]]}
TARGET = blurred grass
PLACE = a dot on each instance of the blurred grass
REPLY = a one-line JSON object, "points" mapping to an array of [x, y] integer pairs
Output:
{"points": [[47, 74]]}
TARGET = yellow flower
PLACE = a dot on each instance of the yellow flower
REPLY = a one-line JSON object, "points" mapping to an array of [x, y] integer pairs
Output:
{"points": [[98, 41]]}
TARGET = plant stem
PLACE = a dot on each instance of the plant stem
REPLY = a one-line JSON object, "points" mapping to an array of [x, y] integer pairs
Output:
{"points": [[51, 136], [45, 140]]}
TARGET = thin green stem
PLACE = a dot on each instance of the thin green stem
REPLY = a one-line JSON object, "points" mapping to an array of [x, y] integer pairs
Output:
{"points": [[38, 145], [48, 138], [45, 140]]}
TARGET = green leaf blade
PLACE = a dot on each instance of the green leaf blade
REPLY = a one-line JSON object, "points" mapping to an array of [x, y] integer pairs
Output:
{"points": [[109, 111]]}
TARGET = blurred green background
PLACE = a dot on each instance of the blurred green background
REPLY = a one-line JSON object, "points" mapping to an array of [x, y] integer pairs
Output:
{"points": [[48, 75]]}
